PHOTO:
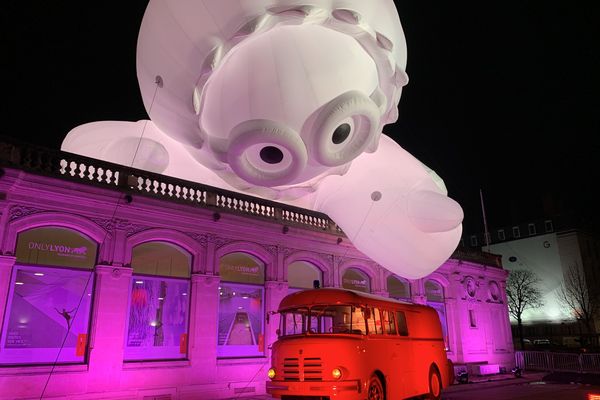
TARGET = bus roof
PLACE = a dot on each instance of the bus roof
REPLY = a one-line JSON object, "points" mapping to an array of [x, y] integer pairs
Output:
{"points": [[312, 297]]}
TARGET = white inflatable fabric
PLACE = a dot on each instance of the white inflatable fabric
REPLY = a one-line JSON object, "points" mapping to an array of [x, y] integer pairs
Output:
{"points": [[286, 100]]}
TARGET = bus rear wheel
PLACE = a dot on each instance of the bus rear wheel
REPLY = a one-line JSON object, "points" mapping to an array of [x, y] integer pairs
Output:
{"points": [[375, 391], [435, 384]]}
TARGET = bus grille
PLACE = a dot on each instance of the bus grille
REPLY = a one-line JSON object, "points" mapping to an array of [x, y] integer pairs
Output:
{"points": [[302, 369]]}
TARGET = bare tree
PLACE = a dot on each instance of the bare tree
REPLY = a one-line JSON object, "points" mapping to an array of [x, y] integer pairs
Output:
{"points": [[523, 293], [581, 298]]}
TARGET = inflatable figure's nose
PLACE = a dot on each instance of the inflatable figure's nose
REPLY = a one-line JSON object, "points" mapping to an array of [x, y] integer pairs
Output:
{"points": [[433, 212]]}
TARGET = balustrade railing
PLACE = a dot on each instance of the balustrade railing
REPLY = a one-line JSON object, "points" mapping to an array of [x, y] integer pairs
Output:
{"points": [[63, 165]]}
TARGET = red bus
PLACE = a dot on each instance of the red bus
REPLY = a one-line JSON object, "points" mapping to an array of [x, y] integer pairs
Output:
{"points": [[343, 344]]}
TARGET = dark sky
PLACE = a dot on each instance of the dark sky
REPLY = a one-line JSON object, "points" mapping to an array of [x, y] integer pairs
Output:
{"points": [[503, 96]]}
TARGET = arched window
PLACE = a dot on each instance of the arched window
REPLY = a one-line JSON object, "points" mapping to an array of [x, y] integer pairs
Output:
{"points": [[302, 275], [434, 292], [159, 302], [241, 306], [398, 288], [355, 279], [50, 297]]}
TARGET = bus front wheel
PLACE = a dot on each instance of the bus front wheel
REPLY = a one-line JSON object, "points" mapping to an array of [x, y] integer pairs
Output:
{"points": [[435, 384], [375, 391]]}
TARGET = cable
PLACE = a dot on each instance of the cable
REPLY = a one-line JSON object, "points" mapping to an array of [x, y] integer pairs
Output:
{"points": [[159, 84]]}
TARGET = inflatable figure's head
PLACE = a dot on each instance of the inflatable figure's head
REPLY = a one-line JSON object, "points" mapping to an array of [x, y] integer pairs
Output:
{"points": [[273, 92]]}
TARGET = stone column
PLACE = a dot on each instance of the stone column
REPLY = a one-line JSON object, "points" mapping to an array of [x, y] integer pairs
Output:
{"points": [[202, 342], [108, 327], [6, 267], [274, 293]]}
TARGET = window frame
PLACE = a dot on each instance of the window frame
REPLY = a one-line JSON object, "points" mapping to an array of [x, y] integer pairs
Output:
{"points": [[262, 319], [90, 285], [187, 324]]}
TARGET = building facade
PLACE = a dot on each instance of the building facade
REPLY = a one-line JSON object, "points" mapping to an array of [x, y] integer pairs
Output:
{"points": [[123, 284], [549, 248]]}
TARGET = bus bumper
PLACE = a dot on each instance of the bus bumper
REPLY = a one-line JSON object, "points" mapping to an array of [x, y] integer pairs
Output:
{"points": [[341, 390]]}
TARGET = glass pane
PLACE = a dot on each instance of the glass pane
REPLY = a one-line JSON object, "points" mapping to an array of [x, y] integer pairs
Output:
{"points": [[402, 328], [158, 319], [161, 258], [302, 274], [56, 246], [397, 288], [324, 320], [354, 279], [294, 322], [46, 308], [378, 324], [434, 291], [243, 268], [240, 321], [388, 322]]}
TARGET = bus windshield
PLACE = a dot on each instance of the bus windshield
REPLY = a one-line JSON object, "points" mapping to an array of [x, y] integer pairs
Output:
{"points": [[323, 320]]}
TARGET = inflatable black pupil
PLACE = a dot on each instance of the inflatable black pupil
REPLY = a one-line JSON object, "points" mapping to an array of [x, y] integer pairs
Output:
{"points": [[341, 133], [271, 155]]}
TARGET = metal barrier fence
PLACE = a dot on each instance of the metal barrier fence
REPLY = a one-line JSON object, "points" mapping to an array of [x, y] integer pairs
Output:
{"points": [[559, 362]]}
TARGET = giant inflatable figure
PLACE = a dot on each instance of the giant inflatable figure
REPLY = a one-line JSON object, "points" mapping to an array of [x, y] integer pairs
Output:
{"points": [[286, 100]]}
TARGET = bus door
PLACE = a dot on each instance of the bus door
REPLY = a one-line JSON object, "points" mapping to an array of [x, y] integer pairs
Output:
{"points": [[403, 355]]}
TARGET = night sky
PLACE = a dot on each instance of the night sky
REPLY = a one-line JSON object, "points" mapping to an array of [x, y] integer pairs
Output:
{"points": [[503, 96]]}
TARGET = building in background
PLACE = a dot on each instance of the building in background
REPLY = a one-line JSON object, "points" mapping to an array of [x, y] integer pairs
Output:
{"points": [[114, 280], [549, 248]]}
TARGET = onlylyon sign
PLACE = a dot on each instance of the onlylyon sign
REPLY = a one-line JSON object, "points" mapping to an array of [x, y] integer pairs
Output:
{"points": [[56, 246], [60, 250]]}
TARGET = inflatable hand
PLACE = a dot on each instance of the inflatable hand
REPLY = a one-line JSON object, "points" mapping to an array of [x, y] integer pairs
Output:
{"points": [[286, 100]]}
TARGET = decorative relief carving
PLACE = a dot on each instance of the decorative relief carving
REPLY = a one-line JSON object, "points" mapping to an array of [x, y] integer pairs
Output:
{"points": [[110, 225], [106, 224], [18, 211], [198, 237], [271, 249], [217, 240], [286, 251]]}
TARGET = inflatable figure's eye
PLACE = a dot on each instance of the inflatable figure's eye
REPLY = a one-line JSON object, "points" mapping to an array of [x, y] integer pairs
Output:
{"points": [[341, 133], [344, 127], [271, 155], [266, 153]]}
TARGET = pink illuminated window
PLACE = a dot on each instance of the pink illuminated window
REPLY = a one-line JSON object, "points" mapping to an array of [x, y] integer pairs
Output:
{"points": [[49, 300], [157, 326], [241, 306]]}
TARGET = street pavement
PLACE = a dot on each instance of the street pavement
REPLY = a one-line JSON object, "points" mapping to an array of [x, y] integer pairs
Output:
{"points": [[505, 387]]}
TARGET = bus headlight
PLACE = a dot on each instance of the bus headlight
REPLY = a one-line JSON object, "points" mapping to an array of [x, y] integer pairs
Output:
{"points": [[336, 373], [271, 374]]}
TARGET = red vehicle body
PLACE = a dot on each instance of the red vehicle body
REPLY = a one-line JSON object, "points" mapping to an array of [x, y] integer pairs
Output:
{"points": [[342, 344]]}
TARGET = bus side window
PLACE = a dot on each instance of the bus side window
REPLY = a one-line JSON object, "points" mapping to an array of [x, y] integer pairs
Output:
{"points": [[402, 328], [358, 321], [389, 323], [375, 323]]}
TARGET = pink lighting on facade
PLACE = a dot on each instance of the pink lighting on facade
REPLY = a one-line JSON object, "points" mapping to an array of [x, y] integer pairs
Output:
{"points": [[123, 340]]}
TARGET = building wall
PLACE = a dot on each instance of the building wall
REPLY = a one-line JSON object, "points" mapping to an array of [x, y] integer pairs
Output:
{"points": [[543, 255], [476, 313]]}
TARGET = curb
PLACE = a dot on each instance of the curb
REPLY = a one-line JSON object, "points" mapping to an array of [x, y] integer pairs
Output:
{"points": [[456, 388]]}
